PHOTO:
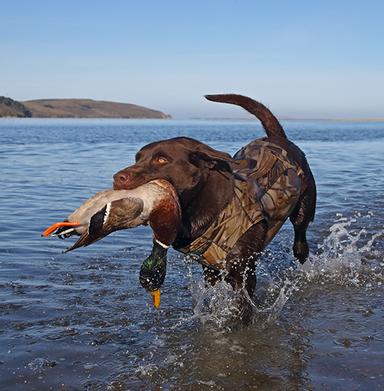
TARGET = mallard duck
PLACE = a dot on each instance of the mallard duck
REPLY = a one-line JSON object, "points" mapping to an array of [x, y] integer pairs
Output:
{"points": [[155, 203]]}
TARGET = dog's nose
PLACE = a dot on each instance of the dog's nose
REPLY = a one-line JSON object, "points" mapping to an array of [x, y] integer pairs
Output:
{"points": [[121, 180]]}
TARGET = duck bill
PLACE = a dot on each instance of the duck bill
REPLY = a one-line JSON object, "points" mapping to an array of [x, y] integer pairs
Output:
{"points": [[61, 224], [155, 298]]}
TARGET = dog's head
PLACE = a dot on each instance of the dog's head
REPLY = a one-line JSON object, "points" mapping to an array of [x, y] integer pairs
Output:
{"points": [[184, 162]]}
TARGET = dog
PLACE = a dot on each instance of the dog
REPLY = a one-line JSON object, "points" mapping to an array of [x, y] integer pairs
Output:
{"points": [[232, 207]]}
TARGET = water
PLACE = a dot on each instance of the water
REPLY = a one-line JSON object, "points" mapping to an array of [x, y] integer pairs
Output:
{"points": [[81, 321]]}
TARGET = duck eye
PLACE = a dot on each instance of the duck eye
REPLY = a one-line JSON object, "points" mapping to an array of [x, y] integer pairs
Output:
{"points": [[161, 160]]}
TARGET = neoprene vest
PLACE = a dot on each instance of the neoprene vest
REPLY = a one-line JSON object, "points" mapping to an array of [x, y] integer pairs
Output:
{"points": [[268, 188]]}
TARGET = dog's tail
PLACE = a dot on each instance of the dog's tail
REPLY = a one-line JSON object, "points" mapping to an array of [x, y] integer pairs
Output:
{"points": [[268, 120]]}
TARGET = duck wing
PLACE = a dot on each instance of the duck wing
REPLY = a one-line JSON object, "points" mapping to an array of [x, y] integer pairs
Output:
{"points": [[115, 215]]}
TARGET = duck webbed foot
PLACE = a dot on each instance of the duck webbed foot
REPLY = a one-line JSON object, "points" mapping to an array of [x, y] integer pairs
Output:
{"points": [[153, 271]]}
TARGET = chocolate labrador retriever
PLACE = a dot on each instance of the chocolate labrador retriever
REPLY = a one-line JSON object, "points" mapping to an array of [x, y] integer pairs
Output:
{"points": [[231, 206]]}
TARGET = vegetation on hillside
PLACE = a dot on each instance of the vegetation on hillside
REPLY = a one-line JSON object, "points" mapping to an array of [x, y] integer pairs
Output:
{"points": [[13, 108]]}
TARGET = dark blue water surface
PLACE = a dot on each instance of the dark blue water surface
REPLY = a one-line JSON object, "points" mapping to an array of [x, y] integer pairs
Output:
{"points": [[81, 321]]}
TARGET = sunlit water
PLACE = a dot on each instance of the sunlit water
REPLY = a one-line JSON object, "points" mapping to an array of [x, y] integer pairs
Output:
{"points": [[81, 321]]}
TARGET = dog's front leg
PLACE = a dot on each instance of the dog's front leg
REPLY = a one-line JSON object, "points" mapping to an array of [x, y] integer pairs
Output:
{"points": [[241, 265], [240, 262]]}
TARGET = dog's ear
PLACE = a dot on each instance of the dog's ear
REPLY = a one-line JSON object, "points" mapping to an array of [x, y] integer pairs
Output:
{"points": [[212, 159]]}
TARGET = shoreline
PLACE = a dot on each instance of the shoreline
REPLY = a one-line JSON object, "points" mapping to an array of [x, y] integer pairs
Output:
{"points": [[202, 119]]}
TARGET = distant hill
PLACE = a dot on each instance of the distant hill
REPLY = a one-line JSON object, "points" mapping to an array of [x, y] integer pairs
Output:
{"points": [[77, 108], [13, 108]]}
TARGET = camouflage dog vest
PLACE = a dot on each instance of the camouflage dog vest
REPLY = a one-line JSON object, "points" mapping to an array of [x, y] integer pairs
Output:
{"points": [[268, 188]]}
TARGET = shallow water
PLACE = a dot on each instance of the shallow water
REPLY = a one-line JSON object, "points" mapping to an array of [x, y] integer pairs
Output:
{"points": [[82, 321]]}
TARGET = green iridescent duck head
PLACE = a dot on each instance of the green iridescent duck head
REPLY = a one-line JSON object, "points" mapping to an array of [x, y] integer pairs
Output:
{"points": [[153, 271]]}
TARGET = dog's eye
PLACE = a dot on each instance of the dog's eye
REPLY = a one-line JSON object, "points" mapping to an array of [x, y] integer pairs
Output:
{"points": [[161, 160]]}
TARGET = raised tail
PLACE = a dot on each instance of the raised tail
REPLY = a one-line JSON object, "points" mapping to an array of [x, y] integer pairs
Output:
{"points": [[268, 120]]}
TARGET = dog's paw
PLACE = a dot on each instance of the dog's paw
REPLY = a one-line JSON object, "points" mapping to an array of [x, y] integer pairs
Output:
{"points": [[301, 251]]}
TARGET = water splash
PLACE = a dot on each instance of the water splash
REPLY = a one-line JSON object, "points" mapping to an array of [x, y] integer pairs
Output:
{"points": [[348, 255], [215, 305]]}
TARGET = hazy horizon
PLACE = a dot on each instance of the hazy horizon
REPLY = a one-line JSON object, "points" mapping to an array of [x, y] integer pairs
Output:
{"points": [[303, 60]]}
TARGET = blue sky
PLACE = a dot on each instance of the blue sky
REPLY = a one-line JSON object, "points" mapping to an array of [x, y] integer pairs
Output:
{"points": [[301, 58]]}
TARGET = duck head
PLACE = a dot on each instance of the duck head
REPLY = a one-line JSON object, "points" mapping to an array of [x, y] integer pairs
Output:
{"points": [[153, 271]]}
